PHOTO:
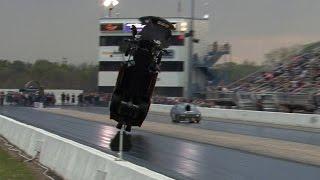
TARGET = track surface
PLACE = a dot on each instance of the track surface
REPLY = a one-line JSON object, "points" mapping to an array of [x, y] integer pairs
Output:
{"points": [[173, 157], [304, 137]]}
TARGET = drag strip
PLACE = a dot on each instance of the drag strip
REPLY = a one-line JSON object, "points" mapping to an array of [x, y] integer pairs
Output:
{"points": [[176, 158], [302, 153], [251, 129]]}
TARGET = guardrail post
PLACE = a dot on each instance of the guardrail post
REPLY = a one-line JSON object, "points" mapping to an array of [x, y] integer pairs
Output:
{"points": [[120, 158]]}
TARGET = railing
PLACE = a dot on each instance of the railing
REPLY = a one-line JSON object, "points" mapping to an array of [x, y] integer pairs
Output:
{"points": [[269, 101], [303, 100], [222, 98]]}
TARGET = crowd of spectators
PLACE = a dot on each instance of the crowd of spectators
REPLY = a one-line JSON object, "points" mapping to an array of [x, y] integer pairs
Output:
{"points": [[93, 98], [301, 74], [27, 99], [49, 99]]}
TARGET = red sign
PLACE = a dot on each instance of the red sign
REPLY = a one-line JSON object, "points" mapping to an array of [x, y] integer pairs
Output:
{"points": [[110, 27]]}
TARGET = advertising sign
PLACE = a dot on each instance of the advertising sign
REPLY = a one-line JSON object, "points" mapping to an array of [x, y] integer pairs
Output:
{"points": [[127, 27], [111, 27]]}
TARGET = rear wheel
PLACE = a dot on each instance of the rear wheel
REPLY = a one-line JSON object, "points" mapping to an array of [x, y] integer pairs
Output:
{"points": [[119, 126], [128, 128]]}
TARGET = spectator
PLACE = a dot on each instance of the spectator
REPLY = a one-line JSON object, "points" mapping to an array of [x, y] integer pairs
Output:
{"points": [[80, 99], [259, 104], [73, 98], [63, 98], [68, 98], [1, 98]]}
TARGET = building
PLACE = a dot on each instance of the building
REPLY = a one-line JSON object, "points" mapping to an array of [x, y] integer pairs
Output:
{"points": [[173, 78]]}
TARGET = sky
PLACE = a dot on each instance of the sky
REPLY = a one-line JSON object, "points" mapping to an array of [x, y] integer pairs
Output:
{"points": [[68, 29]]}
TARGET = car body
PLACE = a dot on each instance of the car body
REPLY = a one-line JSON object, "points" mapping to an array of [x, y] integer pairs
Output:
{"points": [[181, 112], [137, 77]]}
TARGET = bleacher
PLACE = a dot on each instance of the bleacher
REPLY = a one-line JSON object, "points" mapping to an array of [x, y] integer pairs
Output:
{"points": [[287, 86]]}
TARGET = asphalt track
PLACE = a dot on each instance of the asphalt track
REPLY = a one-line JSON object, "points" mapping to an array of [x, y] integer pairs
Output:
{"points": [[173, 157], [304, 137]]}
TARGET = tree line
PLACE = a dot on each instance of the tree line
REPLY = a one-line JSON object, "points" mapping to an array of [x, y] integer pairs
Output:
{"points": [[55, 75], [51, 75], [230, 71]]}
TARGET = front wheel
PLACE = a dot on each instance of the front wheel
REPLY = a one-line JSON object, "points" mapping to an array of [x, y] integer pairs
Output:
{"points": [[176, 119]]}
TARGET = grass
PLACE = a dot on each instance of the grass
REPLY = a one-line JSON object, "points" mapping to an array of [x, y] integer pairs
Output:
{"points": [[12, 169]]}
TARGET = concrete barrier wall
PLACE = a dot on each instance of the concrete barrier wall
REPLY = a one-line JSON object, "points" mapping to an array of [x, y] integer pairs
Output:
{"points": [[289, 119], [69, 159]]}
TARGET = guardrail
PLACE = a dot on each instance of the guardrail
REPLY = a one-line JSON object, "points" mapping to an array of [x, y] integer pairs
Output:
{"points": [[279, 118], [69, 159], [269, 101]]}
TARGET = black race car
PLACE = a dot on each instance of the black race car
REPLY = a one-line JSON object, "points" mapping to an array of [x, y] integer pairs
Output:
{"points": [[137, 76]]}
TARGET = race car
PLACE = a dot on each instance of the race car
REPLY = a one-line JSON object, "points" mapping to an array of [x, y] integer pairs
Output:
{"points": [[185, 112], [137, 76]]}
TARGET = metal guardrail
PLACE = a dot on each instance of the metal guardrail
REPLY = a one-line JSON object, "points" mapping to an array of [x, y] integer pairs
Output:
{"points": [[304, 100], [222, 98], [269, 101]]}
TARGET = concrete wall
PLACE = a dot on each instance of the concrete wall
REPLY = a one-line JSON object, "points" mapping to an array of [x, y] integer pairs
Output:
{"points": [[69, 159], [289, 119]]}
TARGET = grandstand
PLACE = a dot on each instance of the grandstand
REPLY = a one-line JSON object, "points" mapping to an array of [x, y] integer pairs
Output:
{"points": [[287, 86], [300, 74]]}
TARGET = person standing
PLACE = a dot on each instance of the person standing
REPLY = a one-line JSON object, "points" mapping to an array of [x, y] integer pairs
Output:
{"points": [[68, 98], [73, 99], [1, 98], [63, 98], [80, 99]]}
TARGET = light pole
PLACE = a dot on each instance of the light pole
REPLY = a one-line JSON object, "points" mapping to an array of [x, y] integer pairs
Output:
{"points": [[110, 4], [190, 64], [191, 41]]}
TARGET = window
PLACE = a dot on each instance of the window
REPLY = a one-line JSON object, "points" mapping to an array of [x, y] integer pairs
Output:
{"points": [[112, 40], [109, 65], [171, 66], [162, 91], [116, 40], [165, 66]]}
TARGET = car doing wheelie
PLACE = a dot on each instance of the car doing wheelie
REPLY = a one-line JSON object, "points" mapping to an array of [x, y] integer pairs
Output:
{"points": [[138, 75]]}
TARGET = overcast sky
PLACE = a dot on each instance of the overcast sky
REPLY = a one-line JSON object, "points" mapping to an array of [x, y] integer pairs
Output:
{"points": [[57, 29]]}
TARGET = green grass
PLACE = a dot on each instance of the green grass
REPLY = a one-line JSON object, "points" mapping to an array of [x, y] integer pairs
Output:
{"points": [[11, 169]]}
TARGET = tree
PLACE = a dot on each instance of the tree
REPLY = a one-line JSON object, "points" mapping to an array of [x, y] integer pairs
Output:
{"points": [[51, 75], [281, 55], [230, 71]]}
